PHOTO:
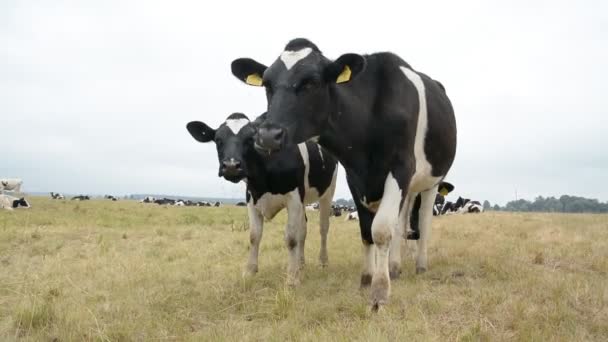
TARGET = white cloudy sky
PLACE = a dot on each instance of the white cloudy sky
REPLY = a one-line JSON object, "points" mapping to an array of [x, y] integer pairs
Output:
{"points": [[95, 95]]}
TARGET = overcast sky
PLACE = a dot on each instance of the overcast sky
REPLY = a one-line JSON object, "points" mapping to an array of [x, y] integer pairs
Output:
{"points": [[95, 98]]}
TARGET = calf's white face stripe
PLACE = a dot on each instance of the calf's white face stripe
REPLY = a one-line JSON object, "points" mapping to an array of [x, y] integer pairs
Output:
{"points": [[291, 58], [236, 125]]}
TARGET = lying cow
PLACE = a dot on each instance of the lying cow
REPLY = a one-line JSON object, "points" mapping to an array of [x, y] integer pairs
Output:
{"points": [[57, 196], [9, 202], [81, 198], [291, 179], [110, 197], [352, 216], [465, 205], [10, 184], [148, 199]]}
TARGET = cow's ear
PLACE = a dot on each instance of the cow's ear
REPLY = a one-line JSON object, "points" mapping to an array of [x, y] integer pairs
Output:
{"points": [[248, 71], [445, 188], [345, 68], [200, 131]]}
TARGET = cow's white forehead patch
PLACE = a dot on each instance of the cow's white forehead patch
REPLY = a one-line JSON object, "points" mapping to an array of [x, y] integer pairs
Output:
{"points": [[236, 125], [290, 58]]}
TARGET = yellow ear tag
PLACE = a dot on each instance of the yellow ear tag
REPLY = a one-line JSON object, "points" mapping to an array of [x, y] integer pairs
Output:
{"points": [[254, 80], [344, 75], [444, 192]]}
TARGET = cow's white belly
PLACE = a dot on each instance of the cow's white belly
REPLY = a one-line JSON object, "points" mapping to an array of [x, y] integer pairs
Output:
{"points": [[270, 204]]}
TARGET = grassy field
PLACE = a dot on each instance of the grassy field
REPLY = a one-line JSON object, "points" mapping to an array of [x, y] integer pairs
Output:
{"points": [[121, 271]]}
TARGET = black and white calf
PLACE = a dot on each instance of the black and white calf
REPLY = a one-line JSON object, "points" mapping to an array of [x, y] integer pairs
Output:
{"points": [[390, 126], [298, 175], [10, 184], [57, 196], [10, 202]]}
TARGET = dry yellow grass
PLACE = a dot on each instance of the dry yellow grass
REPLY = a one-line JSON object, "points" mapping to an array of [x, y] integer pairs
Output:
{"points": [[125, 271]]}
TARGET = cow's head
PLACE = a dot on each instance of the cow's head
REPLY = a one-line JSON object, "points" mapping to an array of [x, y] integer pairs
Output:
{"points": [[300, 86], [233, 139]]}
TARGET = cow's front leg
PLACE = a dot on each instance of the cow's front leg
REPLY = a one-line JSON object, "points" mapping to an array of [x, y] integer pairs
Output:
{"points": [[295, 233], [256, 226], [382, 234]]}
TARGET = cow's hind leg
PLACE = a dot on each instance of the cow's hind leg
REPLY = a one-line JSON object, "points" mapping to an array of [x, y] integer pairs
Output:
{"points": [[398, 235], [256, 225], [382, 234], [425, 216]]}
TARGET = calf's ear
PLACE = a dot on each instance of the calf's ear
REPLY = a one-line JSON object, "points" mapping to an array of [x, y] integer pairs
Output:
{"points": [[248, 71], [445, 188], [345, 68], [200, 131]]}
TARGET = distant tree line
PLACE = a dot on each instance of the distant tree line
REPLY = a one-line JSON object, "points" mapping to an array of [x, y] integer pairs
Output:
{"points": [[563, 204]]}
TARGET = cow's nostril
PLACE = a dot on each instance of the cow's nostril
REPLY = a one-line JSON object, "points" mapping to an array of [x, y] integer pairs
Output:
{"points": [[278, 135]]}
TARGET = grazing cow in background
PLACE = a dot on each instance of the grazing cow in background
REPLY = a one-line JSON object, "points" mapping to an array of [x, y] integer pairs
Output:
{"points": [[10, 184], [57, 196], [110, 197], [390, 126], [10, 202], [81, 198], [297, 176], [241, 204]]}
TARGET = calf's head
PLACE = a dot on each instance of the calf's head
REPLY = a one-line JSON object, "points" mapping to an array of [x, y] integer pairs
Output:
{"points": [[233, 140], [300, 86]]}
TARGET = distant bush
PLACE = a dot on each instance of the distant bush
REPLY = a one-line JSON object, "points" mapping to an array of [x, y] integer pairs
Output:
{"points": [[565, 204]]}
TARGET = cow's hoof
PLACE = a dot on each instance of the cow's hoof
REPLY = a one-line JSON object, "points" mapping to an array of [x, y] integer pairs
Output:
{"points": [[250, 270], [323, 261], [412, 235], [381, 288], [366, 280], [420, 270]]}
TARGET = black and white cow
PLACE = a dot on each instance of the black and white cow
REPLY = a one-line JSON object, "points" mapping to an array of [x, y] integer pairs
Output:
{"points": [[57, 196], [241, 204], [465, 205], [110, 197], [390, 126], [81, 198], [148, 199], [11, 184], [296, 176], [448, 208], [10, 202], [163, 201]]}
